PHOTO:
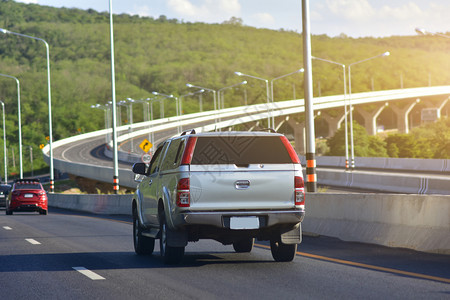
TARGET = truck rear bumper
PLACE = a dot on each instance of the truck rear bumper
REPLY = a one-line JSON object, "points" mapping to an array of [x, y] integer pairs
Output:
{"points": [[221, 219]]}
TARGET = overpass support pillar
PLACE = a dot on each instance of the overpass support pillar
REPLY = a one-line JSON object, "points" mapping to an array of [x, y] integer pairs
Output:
{"points": [[370, 117], [439, 106], [442, 104], [299, 135], [402, 114], [334, 123], [279, 122]]}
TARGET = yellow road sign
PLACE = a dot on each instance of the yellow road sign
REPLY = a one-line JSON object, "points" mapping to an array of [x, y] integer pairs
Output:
{"points": [[145, 145]]}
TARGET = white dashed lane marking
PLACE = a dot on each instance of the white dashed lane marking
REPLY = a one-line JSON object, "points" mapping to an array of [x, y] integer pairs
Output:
{"points": [[7, 228], [32, 241], [88, 273]]}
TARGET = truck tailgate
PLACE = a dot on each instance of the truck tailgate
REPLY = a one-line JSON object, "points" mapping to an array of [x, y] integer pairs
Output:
{"points": [[242, 188]]}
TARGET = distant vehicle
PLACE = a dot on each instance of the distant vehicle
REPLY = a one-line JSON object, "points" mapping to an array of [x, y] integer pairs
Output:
{"points": [[27, 195], [4, 191], [231, 187]]}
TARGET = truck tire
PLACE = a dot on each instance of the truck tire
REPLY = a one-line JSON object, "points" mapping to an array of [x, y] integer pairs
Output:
{"points": [[244, 246], [282, 252], [171, 255], [142, 245]]}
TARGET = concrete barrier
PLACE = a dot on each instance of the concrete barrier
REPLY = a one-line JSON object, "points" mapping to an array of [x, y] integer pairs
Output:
{"points": [[419, 222], [97, 204], [386, 163], [385, 182]]}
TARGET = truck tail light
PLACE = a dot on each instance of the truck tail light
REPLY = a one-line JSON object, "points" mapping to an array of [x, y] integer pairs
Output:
{"points": [[290, 150], [299, 190], [187, 155], [183, 194]]}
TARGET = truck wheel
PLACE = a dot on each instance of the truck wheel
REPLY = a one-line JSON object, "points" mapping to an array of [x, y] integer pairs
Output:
{"points": [[142, 245], [282, 252], [244, 246], [170, 255], [43, 212]]}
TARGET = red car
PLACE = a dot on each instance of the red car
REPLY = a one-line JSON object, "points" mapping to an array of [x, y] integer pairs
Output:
{"points": [[27, 195]]}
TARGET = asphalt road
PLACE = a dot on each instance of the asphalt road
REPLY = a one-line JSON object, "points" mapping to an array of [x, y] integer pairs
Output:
{"points": [[67, 255]]}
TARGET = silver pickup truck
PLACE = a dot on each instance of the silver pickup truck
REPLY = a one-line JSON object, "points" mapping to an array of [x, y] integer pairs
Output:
{"points": [[231, 187]]}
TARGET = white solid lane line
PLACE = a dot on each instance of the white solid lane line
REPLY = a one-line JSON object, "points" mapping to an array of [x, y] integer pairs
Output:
{"points": [[7, 228], [88, 273], [32, 241]]}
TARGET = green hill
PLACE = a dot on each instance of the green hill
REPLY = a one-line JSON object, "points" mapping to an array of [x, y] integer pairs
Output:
{"points": [[164, 54]]}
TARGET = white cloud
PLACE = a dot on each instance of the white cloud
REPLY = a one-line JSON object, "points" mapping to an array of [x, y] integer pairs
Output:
{"points": [[228, 6], [183, 7], [351, 9], [205, 10], [404, 12], [264, 19], [143, 11], [28, 1]]}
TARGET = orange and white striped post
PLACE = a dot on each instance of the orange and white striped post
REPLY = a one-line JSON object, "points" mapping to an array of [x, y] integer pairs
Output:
{"points": [[116, 184]]}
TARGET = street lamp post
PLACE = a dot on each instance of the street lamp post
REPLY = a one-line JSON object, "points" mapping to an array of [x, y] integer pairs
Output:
{"points": [[116, 186], [105, 109], [145, 110], [350, 102], [31, 160], [129, 111], [186, 95], [222, 98], [345, 106], [267, 94], [130, 128], [19, 122], [301, 70], [210, 90], [130, 105], [5, 160], [152, 135], [311, 176], [52, 177], [176, 106]]}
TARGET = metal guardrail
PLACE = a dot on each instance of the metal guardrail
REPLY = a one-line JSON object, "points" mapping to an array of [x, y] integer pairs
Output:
{"points": [[240, 115]]}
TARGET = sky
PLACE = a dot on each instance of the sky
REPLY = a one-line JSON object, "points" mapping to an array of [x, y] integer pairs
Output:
{"points": [[354, 18]]}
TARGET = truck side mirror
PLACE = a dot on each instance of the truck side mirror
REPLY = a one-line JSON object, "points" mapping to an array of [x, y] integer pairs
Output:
{"points": [[140, 168]]}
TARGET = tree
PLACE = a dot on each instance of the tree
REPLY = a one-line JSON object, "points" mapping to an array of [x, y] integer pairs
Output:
{"points": [[433, 139], [234, 21], [405, 143], [364, 144]]}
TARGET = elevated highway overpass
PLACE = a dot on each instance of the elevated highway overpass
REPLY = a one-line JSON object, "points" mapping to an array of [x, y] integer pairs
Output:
{"points": [[87, 155]]}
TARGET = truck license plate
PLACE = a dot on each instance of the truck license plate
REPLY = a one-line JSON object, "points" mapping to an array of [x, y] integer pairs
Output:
{"points": [[244, 223]]}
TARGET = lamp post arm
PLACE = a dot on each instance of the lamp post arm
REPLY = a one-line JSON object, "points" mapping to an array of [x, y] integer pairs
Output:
{"points": [[292, 73], [380, 55], [301, 70], [251, 76]]}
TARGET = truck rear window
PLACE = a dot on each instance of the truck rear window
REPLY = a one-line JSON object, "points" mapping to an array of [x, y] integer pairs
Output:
{"points": [[240, 150]]}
